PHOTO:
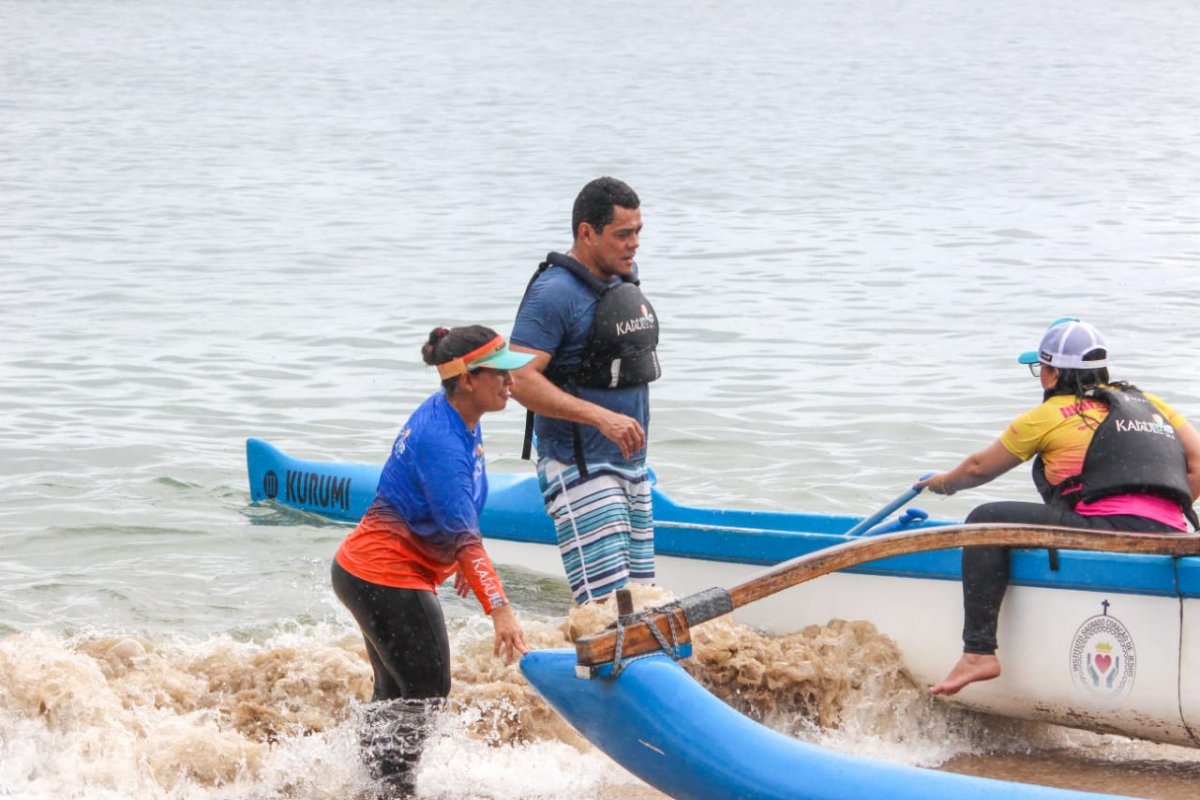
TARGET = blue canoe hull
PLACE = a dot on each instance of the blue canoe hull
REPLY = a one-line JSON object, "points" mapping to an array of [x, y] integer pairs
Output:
{"points": [[662, 726], [1143, 608], [344, 490]]}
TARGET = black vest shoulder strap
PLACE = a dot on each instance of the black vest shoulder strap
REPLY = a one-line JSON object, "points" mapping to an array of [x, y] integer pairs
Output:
{"points": [[581, 272]]}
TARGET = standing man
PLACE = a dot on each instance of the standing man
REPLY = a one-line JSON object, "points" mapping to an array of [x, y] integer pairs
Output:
{"points": [[593, 336]]}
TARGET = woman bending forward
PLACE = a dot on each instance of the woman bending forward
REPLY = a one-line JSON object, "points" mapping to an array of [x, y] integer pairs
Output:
{"points": [[422, 528]]}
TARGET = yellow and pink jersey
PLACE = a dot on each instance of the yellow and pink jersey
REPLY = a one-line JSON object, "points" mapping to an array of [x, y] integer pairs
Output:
{"points": [[1060, 431]]}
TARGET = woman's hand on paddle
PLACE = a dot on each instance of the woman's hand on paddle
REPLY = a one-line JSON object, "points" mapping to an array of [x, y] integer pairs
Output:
{"points": [[938, 484], [509, 636], [461, 587]]}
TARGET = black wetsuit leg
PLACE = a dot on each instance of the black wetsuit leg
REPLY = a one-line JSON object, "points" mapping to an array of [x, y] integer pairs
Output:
{"points": [[409, 649], [405, 633], [985, 570]]}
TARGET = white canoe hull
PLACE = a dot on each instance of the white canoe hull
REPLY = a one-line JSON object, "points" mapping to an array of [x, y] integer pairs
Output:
{"points": [[1041, 634]]}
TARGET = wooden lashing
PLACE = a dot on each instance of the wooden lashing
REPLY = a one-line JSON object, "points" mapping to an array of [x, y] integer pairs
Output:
{"points": [[638, 640], [676, 619]]}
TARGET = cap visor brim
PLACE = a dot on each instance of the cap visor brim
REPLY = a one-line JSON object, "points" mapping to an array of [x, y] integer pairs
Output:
{"points": [[506, 359], [1029, 357]]}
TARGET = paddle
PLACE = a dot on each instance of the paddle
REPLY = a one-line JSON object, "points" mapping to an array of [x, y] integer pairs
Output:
{"points": [[883, 513], [673, 622]]}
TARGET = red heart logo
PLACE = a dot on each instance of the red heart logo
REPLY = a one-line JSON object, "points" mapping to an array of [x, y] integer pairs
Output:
{"points": [[1103, 663]]}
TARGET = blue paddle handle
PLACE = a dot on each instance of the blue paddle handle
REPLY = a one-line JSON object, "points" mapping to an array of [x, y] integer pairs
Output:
{"points": [[883, 513]]}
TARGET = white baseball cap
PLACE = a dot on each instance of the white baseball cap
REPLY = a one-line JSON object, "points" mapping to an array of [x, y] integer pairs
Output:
{"points": [[1064, 345]]}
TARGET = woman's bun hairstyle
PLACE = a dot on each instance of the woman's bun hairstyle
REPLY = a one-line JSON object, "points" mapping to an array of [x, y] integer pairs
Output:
{"points": [[429, 349]]}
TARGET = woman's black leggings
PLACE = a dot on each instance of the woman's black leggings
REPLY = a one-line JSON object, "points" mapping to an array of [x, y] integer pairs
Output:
{"points": [[409, 650], [405, 633], [985, 569]]}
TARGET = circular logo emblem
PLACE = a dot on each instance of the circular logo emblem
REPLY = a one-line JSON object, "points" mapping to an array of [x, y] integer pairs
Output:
{"points": [[1103, 658], [271, 484]]}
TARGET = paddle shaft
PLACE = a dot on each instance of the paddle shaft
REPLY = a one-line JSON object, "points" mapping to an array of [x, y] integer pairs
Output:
{"points": [[709, 604], [879, 516]]}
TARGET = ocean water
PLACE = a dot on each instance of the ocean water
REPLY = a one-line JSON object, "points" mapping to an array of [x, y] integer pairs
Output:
{"points": [[229, 220]]}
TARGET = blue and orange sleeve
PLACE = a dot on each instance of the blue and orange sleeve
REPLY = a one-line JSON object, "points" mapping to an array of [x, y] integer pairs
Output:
{"points": [[476, 566]]}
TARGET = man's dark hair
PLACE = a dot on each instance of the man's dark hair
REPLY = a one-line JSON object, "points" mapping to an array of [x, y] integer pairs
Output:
{"points": [[594, 204]]}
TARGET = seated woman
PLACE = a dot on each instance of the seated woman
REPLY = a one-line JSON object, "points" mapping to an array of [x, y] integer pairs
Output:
{"points": [[422, 528], [1106, 456]]}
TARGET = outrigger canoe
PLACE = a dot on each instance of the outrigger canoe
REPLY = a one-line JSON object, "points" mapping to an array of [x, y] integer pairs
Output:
{"points": [[623, 691], [662, 726], [1097, 640]]}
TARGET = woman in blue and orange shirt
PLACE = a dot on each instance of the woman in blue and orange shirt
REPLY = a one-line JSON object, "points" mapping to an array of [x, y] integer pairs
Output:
{"points": [[1106, 456], [422, 528]]}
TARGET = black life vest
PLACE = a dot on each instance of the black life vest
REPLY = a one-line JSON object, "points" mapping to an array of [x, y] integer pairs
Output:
{"points": [[622, 346], [1133, 451], [622, 343]]}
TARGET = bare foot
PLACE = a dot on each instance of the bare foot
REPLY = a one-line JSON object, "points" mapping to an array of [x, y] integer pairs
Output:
{"points": [[970, 668]]}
